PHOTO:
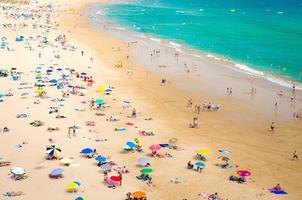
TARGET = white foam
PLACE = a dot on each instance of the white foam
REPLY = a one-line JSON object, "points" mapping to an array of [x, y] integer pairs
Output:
{"points": [[174, 44], [155, 39], [197, 56], [248, 69], [120, 28]]}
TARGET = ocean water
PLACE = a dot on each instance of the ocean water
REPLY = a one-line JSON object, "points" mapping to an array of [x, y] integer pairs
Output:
{"points": [[263, 34]]}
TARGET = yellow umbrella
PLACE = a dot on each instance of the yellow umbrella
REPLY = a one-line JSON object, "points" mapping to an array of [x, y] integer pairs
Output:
{"points": [[40, 90], [100, 88], [74, 186], [203, 152]]}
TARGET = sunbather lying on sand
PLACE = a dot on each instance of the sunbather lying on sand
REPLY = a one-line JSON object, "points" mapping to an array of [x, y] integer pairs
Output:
{"points": [[144, 133], [13, 194], [60, 117], [50, 129], [4, 163], [36, 123]]}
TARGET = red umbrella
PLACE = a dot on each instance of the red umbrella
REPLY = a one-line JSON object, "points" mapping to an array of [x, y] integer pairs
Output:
{"points": [[243, 173], [154, 147], [115, 178]]}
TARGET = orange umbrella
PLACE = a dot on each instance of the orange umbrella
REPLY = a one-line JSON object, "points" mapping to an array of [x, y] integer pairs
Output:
{"points": [[139, 194]]}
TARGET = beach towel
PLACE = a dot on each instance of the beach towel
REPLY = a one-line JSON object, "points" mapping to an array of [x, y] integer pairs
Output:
{"points": [[120, 129], [223, 151], [278, 192], [164, 145]]}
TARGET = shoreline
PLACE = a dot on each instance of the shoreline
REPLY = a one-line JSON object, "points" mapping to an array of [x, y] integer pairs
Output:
{"points": [[284, 81]]}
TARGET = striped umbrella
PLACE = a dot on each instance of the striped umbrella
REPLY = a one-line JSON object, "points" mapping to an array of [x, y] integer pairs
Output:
{"points": [[53, 150]]}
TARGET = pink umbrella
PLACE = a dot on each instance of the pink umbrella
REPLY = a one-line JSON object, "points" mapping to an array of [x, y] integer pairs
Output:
{"points": [[243, 173], [154, 147]]}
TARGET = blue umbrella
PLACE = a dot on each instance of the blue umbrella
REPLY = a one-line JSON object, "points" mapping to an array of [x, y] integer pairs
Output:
{"points": [[107, 91], [53, 81], [83, 73], [39, 80], [49, 71], [14, 78], [80, 198], [200, 164], [56, 172], [100, 159], [131, 144], [86, 151], [59, 69]]}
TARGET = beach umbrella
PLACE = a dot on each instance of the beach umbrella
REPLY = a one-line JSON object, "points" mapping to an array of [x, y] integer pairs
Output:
{"points": [[244, 173], [99, 101], [100, 159], [108, 91], [131, 144], [143, 160], [203, 152], [56, 172], [138, 194], [200, 164], [59, 69], [115, 178], [83, 73], [13, 68], [106, 167], [100, 88], [155, 147], [81, 198], [224, 151], [49, 71], [19, 171], [53, 150], [53, 81], [126, 147], [223, 158], [146, 171], [40, 90], [87, 151], [2, 95], [39, 67], [71, 187], [66, 161], [40, 85]]}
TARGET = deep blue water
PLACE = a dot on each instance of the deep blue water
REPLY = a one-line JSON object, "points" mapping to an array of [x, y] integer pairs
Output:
{"points": [[264, 34]]}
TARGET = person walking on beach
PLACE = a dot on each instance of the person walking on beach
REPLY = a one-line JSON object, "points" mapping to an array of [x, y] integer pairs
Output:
{"points": [[272, 127], [228, 91], [82, 53], [295, 155], [190, 103]]}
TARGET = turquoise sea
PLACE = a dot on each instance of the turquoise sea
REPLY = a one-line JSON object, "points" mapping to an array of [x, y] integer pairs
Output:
{"points": [[264, 34]]}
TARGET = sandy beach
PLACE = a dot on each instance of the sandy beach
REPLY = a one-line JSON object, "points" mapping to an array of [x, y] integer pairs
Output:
{"points": [[58, 37]]}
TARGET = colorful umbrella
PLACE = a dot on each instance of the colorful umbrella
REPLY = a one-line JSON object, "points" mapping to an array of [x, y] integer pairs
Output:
{"points": [[17, 171], [115, 178], [71, 187], [100, 88], [81, 198], [203, 152], [53, 81], [138, 194], [100, 159], [131, 144], [99, 101], [223, 158], [146, 171], [143, 160], [53, 150], [155, 147], [243, 173], [106, 167], [40, 90], [200, 164], [56, 172], [86, 151]]}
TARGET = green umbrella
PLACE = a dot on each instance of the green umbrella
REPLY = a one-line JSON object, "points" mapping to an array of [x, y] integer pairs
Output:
{"points": [[146, 171], [40, 85], [99, 101]]}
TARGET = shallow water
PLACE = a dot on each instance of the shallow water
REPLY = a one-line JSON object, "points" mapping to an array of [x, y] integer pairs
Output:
{"points": [[266, 35]]}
